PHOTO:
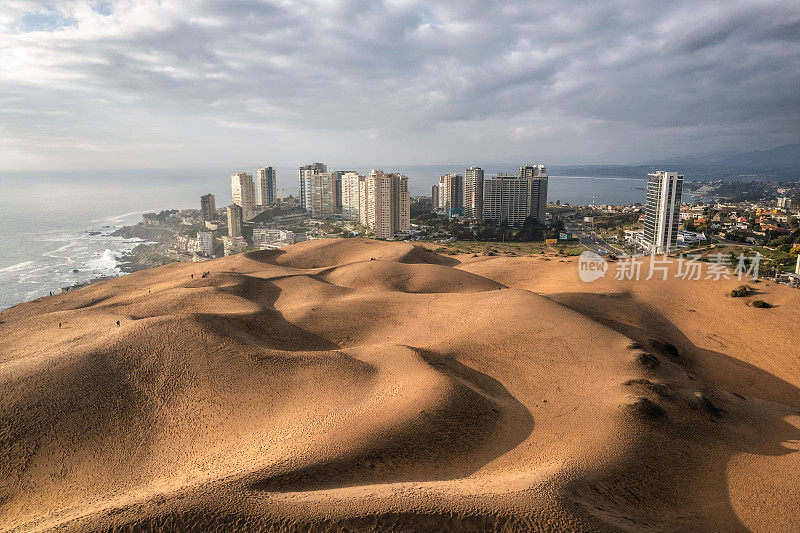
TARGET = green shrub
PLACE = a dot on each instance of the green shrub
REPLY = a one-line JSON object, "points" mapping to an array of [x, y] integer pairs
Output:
{"points": [[741, 290], [761, 304]]}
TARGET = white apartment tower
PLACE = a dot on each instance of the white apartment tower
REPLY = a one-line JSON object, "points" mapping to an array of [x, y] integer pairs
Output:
{"points": [[351, 199], [266, 186], [243, 190], [662, 211], [305, 174], [473, 193], [386, 203]]}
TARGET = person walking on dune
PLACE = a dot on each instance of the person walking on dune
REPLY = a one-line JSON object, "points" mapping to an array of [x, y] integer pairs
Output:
{"points": [[117, 323]]}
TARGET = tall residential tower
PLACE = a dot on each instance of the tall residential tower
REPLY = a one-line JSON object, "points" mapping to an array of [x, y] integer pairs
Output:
{"points": [[473, 193], [243, 191], [385, 203], [207, 207], [350, 195], [322, 194], [234, 212], [305, 174], [451, 193], [662, 211], [266, 186], [537, 174]]}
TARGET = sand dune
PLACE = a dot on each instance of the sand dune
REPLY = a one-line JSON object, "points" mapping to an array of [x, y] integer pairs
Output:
{"points": [[355, 384]]}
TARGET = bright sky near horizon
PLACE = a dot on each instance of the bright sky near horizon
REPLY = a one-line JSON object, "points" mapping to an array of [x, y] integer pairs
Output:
{"points": [[201, 83]]}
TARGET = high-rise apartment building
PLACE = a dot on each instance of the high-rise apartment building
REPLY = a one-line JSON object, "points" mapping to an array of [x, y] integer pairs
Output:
{"points": [[386, 203], [305, 174], [473, 193], [435, 197], [267, 186], [323, 194], [508, 200], [234, 220], [337, 188], [243, 190], [787, 203], [351, 202], [208, 207], [537, 174], [451, 193], [662, 211]]}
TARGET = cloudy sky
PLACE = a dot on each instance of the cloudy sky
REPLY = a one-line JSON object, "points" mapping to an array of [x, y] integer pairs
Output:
{"points": [[207, 83]]}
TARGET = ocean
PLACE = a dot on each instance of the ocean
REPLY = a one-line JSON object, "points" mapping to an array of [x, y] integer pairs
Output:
{"points": [[55, 227]]}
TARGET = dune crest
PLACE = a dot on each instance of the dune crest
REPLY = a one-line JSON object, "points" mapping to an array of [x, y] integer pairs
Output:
{"points": [[359, 384]]}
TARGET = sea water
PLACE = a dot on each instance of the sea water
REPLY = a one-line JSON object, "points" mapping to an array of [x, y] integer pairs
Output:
{"points": [[55, 227]]}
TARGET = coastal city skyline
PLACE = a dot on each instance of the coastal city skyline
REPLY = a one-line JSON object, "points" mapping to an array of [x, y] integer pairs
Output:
{"points": [[381, 202], [284, 182]]}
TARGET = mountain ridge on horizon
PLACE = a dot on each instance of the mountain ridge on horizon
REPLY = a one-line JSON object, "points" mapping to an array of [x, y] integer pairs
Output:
{"points": [[783, 156]]}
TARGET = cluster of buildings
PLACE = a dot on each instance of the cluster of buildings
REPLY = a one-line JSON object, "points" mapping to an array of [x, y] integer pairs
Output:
{"points": [[749, 224], [379, 201], [501, 199], [268, 238], [243, 191], [754, 224], [202, 245], [250, 197]]}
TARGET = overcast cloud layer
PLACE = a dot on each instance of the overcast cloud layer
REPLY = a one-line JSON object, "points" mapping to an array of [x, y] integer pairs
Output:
{"points": [[202, 83]]}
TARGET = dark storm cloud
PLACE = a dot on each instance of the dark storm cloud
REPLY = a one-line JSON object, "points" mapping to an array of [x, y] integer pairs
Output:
{"points": [[196, 82]]}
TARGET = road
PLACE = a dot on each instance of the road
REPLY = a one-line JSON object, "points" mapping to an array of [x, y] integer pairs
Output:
{"points": [[591, 240]]}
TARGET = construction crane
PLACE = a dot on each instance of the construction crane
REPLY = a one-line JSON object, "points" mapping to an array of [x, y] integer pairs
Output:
{"points": [[283, 191]]}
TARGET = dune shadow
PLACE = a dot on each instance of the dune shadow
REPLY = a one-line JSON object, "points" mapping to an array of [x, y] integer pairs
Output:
{"points": [[266, 328], [420, 254], [655, 330], [479, 422], [678, 448], [417, 254], [265, 256]]}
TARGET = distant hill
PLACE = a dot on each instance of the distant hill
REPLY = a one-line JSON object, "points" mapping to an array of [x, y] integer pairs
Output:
{"points": [[703, 158], [784, 156], [787, 155]]}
